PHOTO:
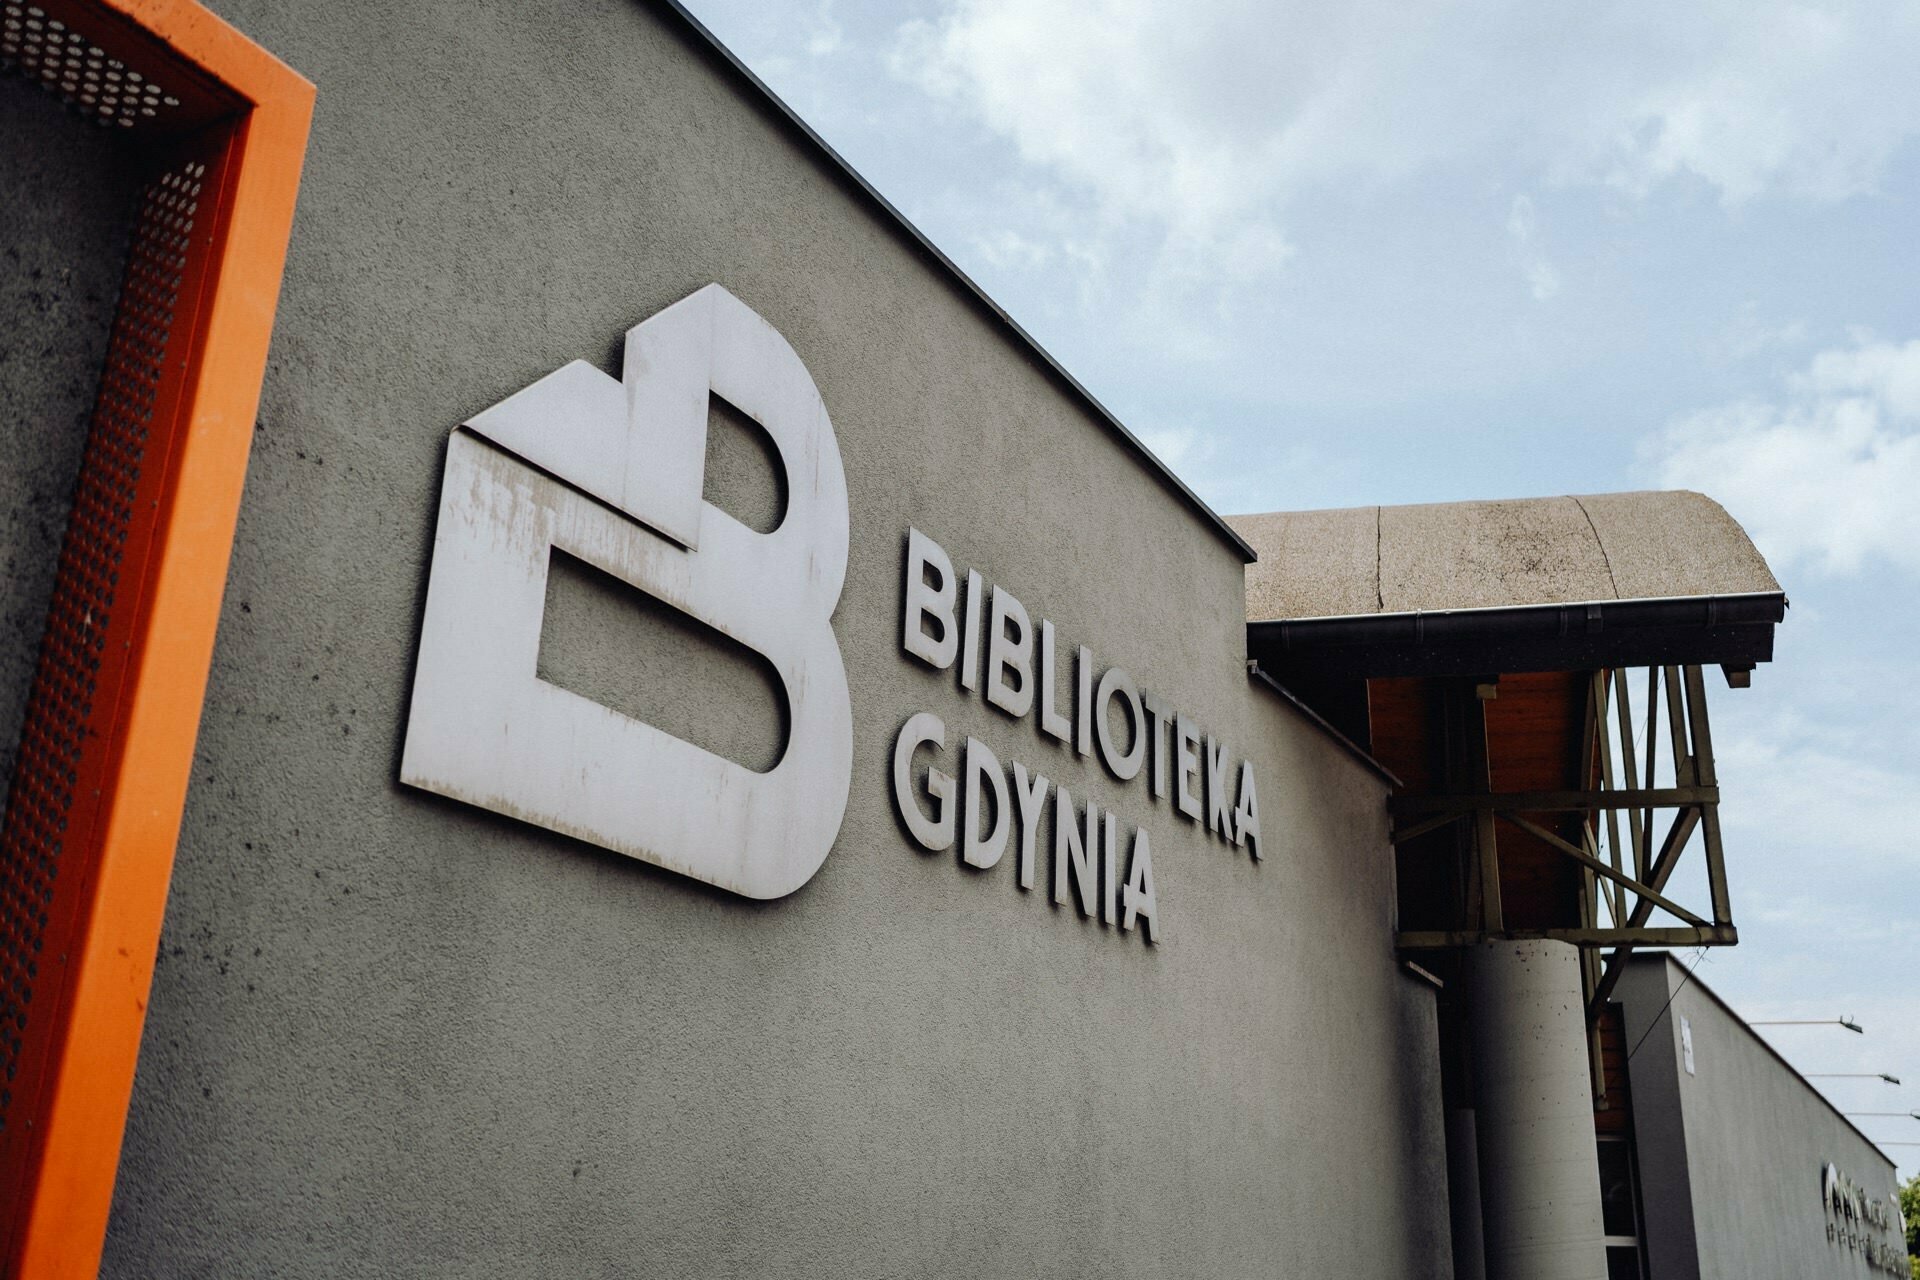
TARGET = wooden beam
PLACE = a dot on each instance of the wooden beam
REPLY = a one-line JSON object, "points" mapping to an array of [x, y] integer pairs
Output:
{"points": [[1602, 689], [1710, 818], [1409, 806], [1601, 991], [1598, 867], [1402, 835], [1479, 776], [1653, 719], [1677, 836], [1683, 772], [1711, 935], [1623, 710]]}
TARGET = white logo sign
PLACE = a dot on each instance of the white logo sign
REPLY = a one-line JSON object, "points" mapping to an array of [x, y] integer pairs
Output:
{"points": [[611, 472]]}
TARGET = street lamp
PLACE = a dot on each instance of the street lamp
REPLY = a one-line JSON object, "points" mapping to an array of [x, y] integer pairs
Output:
{"points": [[1852, 1075], [1848, 1023]]}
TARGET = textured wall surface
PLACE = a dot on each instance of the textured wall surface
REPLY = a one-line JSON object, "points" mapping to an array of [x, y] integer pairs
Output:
{"points": [[1659, 1119], [65, 215], [396, 1035], [1731, 1154]]}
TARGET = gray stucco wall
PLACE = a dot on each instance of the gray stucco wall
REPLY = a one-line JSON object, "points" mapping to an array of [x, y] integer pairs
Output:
{"points": [[64, 221], [396, 1035], [1659, 1118], [1731, 1154]]}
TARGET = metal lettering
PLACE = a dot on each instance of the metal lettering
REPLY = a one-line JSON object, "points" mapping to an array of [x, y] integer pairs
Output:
{"points": [[1138, 896], [1109, 868], [1157, 746], [1072, 853], [1246, 813], [1009, 653], [970, 636], [1030, 798], [1083, 705], [1124, 767], [932, 834], [924, 604], [1186, 767], [977, 849], [1052, 723], [1219, 810]]}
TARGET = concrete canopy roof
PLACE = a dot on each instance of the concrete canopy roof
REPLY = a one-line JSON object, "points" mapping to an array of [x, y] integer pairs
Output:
{"points": [[1541, 584], [1491, 555]]}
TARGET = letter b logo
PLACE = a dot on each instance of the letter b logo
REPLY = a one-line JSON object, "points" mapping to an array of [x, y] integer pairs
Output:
{"points": [[615, 480]]}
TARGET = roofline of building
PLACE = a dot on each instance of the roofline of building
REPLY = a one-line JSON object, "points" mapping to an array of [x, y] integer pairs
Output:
{"points": [[972, 291], [1359, 753], [1689, 976]]}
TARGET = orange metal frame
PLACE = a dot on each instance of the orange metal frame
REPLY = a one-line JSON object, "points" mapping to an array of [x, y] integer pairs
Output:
{"points": [[244, 116]]}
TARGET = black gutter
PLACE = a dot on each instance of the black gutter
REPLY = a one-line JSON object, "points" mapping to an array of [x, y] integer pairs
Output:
{"points": [[1731, 630], [786, 115]]}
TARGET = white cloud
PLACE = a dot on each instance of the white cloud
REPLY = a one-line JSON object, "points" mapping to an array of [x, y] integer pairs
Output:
{"points": [[1826, 474], [1210, 114], [1179, 446], [826, 38], [1889, 373], [1007, 248], [1749, 335], [1800, 782], [1523, 229]]}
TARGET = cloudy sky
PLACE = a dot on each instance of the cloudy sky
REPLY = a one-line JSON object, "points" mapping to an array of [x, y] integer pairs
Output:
{"points": [[1340, 252]]}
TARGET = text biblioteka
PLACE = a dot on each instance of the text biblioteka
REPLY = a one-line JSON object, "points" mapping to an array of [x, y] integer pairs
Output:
{"points": [[1016, 670]]}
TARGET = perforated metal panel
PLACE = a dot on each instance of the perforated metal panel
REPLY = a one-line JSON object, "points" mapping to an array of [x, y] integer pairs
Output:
{"points": [[93, 807], [42, 47], [57, 727]]}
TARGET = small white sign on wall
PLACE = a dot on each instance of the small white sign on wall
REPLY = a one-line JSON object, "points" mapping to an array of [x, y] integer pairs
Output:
{"points": [[1686, 1044]]}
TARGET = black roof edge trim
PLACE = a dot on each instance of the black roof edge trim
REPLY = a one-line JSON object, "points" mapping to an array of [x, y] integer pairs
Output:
{"points": [[1319, 722], [1468, 626], [1053, 367]]}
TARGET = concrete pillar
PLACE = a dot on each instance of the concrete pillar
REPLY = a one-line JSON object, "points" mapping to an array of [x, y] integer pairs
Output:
{"points": [[1539, 1171], [1463, 1195]]}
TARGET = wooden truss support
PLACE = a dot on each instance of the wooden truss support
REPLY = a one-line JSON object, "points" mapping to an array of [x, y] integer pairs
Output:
{"points": [[1486, 846], [1693, 767], [1598, 867], [1624, 872]]}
